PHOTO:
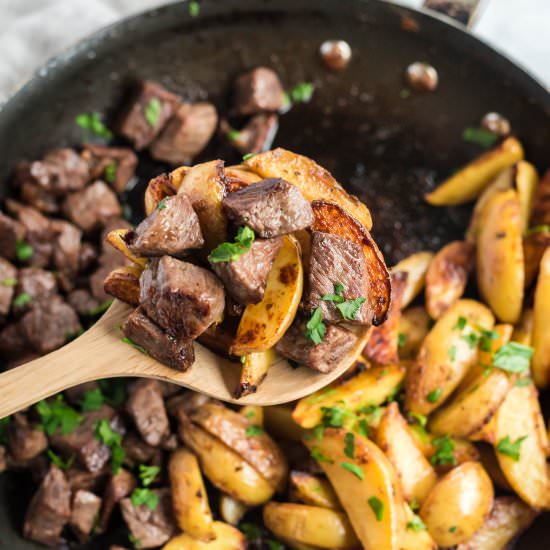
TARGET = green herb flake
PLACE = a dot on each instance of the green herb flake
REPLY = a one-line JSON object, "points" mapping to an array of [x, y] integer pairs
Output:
{"points": [[334, 417], [152, 111], [230, 252], [444, 451], [405, 93], [56, 460], [416, 524], [319, 432], [350, 308], [101, 308], [254, 430], [302, 92], [56, 414], [414, 505], [251, 531], [148, 474], [134, 541], [162, 204], [9, 281], [510, 448], [513, 357], [349, 449], [22, 299], [522, 382], [248, 156], [110, 172], [434, 395], [479, 136], [319, 456], [274, 545], [402, 340], [451, 352], [233, 135], [461, 323], [92, 400], [377, 507], [194, 9], [337, 296], [452, 529], [363, 427], [145, 496], [130, 342], [420, 419], [354, 469], [106, 435], [472, 339], [538, 229], [93, 124], [315, 328]]}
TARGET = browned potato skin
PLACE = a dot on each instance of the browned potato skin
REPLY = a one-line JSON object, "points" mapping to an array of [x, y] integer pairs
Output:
{"points": [[534, 246], [540, 214], [175, 177], [447, 276], [540, 364], [415, 266], [237, 177], [157, 189], [227, 538], [414, 324], [123, 283], [312, 490], [116, 239]]}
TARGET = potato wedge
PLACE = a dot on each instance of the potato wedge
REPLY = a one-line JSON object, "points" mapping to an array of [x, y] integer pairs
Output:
{"points": [[263, 325], [367, 487], [414, 539], [415, 473], [540, 365], [523, 331], [279, 422], [526, 182], [175, 177], [231, 509], [541, 204], [237, 177], [189, 497], [414, 325], [502, 333], [369, 387], [227, 538], [123, 283], [534, 246], [312, 525], [444, 357], [468, 183], [116, 239], [447, 276], [312, 490], [314, 182], [331, 218], [415, 266], [254, 370], [157, 189], [499, 262], [254, 414]]}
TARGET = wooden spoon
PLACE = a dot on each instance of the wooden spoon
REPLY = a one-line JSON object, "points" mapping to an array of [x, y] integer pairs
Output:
{"points": [[101, 353]]}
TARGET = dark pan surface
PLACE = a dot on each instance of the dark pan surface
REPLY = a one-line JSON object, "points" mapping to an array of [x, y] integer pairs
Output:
{"points": [[387, 149]]}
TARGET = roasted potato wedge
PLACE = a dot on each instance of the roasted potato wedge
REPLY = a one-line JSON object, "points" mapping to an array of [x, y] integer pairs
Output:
{"points": [[526, 182], [263, 325], [523, 331], [237, 177], [279, 422], [231, 509], [499, 260], [541, 204], [415, 539], [541, 325], [254, 370], [447, 276], [227, 538], [116, 239], [502, 333], [314, 182], [254, 414], [312, 490], [534, 246], [467, 184], [415, 266], [123, 283], [445, 357], [158, 188], [175, 177], [414, 324]]}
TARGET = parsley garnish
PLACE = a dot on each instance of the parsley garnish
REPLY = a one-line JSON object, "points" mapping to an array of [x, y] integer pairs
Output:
{"points": [[416, 524], [248, 156], [232, 135], [230, 252], [92, 123], [479, 136], [512, 449], [513, 357], [350, 308], [302, 92], [337, 296], [59, 462], [452, 529], [148, 474], [144, 496], [334, 417], [363, 427], [401, 339], [113, 440], [414, 505], [421, 420], [315, 328], [92, 400], [254, 430], [354, 469], [404, 93], [162, 204], [434, 395], [23, 251], [320, 457], [152, 111], [194, 9], [461, 323], [444, 447], [22, 299], [349, 449], [134, 540], [274, 545], [101, 308], [538, 229], [9, 281], [319, 431], [110, 172], [56, 414], [130, 342], [251, 531], [377, 506], [472, 339], [451, 352]]}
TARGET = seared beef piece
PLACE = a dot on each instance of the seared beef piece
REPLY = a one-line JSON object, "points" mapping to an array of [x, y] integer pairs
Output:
{"points": [[49, 510], [173, 228], [38, 283], [151, 527], [138, 452], [270, 207], [66, 252], [245, 278], [25, 440], [120, 485], [38, 197], [86, 506], [49, 324], [76, 393], [177, 353], [12, 340], [8, 274], [115, 165], [88, 481], [182, 298], [323, 357], [336, 260], [257, 90], [92, 207], [87, 257], [60, 171], [256, 136], [147, 114], [11, 232], [146, 407], [186, 403], [82, 301], [39, 234], [186, 134]]}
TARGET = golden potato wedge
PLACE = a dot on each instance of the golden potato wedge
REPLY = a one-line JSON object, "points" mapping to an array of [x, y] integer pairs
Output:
{"points": [[254, 370], [508, 518], [526, 182], [123, 283], [499, 260], [227, 538], [447, 276], [444, 357], [237, 177], [158, 188], [541, 325], [541, 205], [254, 414], [457, 505], [502, 333], [116, 239], [175, 177], [366, 486], [314, 182], [279, 422], [312, 490], [467, 184], [415, 266], [524, 329], [263, 325], [414, 537], [534, 246], [231, 509], [414, 325], [415, 473], [189, 497], [312, 525], [331, 218], [369, 387]]}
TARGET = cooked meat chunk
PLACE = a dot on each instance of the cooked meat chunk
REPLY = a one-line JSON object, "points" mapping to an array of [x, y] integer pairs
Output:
{"points": [[25, 440], [258, 90], [49, 510], [38, 283], [92, 207], [120, 485], [82, 301], [76, 393], [66, 252], [49, 324], [182, 298], [245, 278], [173, 228], [151, 527], [88, 481], [147, 114], [38, 234], [87, 257], [323, 357], [12, 340], [36, 196], [86, 506], [115, 165], [337, 261], [146, 407], [186, 134], [8, 280], [177, 353], [139, 452], [270, 207], [256, 136], [11, 232]]}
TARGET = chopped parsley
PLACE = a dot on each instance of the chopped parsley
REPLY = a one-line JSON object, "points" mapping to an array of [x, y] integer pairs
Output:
{"points": [[134, 541], [363, 427], [101, 308], [59, 462], [130, 342], [233, 135], [414, 505], [404, 93], [451, 352], [110, 172], [254, 430], [92, 400], [9, 281], [148, 474], [354, 469], [416, 524], [452, 529], [479, 136], [23, 251], [93, 124], [315, 328], [472, 339], [144, 496], [434, 395], [162, 204], [22, 299], [350, 308], [444, 451], [333, 417], [420, 419], [377, 507], [319, 456], [152, 111], [337, 296], [56, 414], [319, 432], [106, 435], [538, 229], [349, 449], [302, 92], [274, 545], [510, 448], [251, 531], [402, 339], [513, 357], [248, 156], [461, 323], [194, 9], [230, 252]]}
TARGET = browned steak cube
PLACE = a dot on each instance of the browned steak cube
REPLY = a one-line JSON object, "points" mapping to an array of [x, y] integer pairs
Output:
{"points": [[85, 510], [87, 257], [186, 134], [147, 114], [25, 440], [92, 207], [335, 260], [256, 136], [173, 228], [82, 301], [258, 90], [36, 196], [8, 280], [79, 478], [38, 234], [323, 357], [270, 207], [245, 278], [115, 165], [139, 452], [66, 252], [11, 232], [38, 283], [49, 510], [177, 353], [182, 298], [120, 485], [151, 527]]}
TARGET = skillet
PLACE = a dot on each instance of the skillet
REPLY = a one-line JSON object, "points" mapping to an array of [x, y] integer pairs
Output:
{"points": [[386, 148]]}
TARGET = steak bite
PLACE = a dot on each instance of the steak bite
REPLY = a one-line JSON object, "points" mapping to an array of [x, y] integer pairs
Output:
{"points": [[86, 506], [82, 301], [258, 90], [172, 228], [38, 234], [337, 261], [11, 232], [37, 197], [115, 165], [271, 207], [147, 114], [37, 283], [182, 298], [66, 252], [25, 440], [177, 353], [8, 280], [256, 136], [186, 134], [245, 278], [119, 486]]}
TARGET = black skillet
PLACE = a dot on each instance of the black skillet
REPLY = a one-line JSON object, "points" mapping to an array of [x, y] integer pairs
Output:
{"points": [[386, 148]]}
